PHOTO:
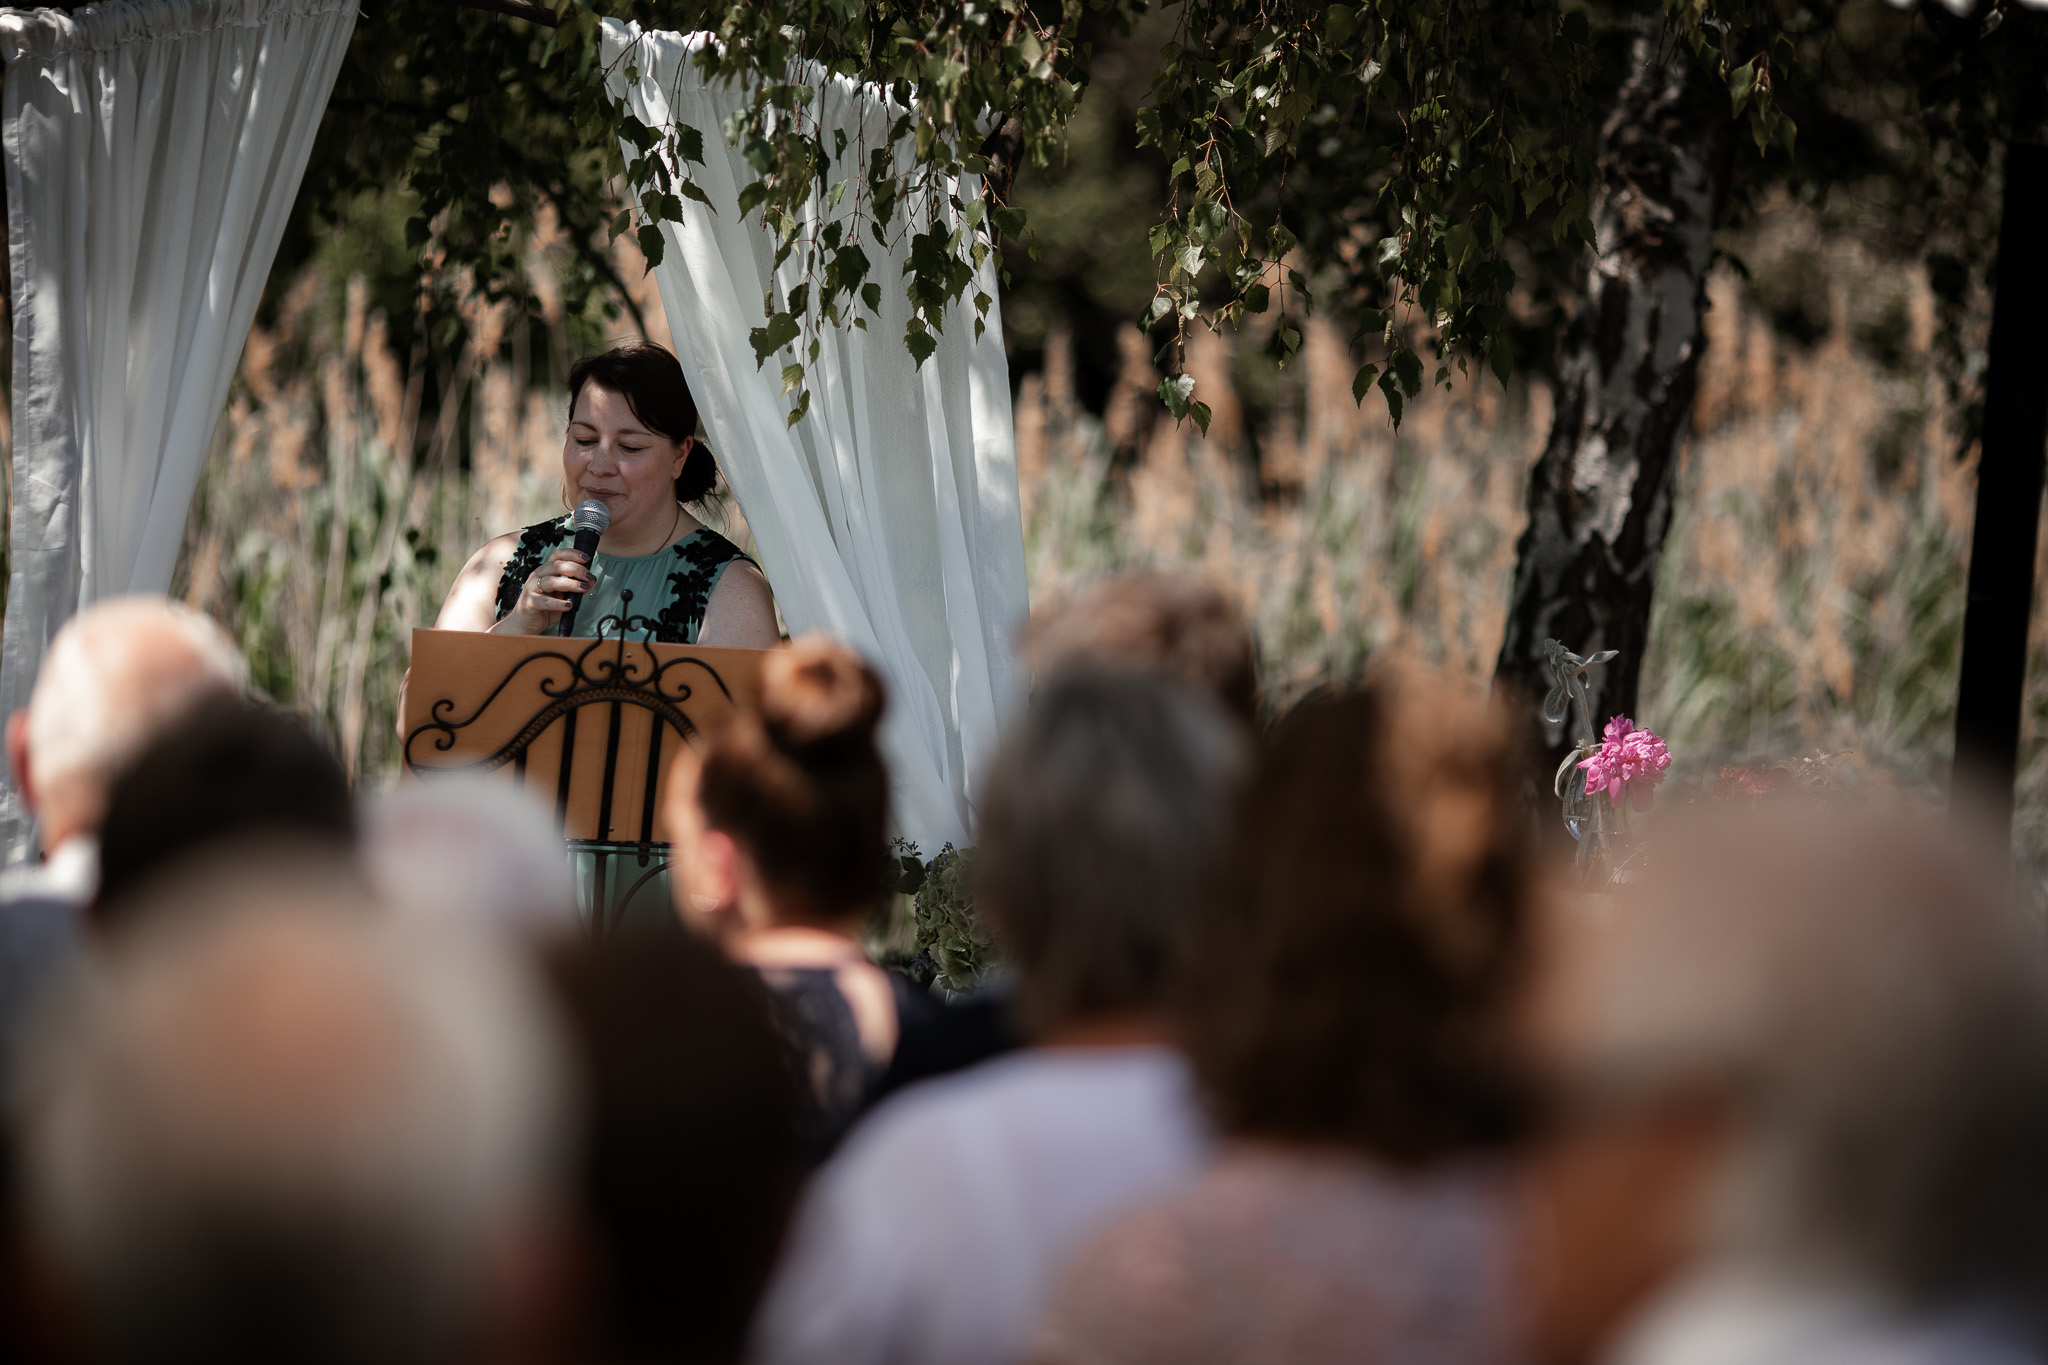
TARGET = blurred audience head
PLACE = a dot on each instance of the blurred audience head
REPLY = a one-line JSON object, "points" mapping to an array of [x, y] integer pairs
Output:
{"points": [[691, 1156], [1175, 625], [226, 773], [276, 1125], [481, 851], [783, 816], [1100, 832], [1356, 973], [1813, 1049], [114, 676]]}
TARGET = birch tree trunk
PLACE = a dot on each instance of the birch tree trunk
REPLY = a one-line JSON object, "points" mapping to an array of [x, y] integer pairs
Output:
{"points": [[1600, 495]]}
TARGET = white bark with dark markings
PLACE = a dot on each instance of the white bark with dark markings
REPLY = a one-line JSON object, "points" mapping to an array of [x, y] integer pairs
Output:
{"points": [[1600, 495]]}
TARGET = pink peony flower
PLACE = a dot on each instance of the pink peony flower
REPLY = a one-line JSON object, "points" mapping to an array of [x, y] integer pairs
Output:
{"points": [[1629, 761]]}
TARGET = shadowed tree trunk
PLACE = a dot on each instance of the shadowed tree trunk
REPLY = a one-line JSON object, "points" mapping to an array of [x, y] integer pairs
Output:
{"points": [[1600, 495]]}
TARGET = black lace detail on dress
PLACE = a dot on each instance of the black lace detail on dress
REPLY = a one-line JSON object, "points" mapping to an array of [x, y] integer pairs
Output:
{"points": [[534, 543], [700, 560], [816, 1018]]}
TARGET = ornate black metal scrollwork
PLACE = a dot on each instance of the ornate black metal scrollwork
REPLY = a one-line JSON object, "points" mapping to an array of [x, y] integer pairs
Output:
{"points": [[570, 678], [599, 672]]}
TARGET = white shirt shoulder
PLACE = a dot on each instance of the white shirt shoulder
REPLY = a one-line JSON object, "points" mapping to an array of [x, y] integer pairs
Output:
{"points": [[936, 1232]]}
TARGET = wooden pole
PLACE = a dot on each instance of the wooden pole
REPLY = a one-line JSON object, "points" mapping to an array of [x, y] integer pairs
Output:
{"points": [[1990, 691]]}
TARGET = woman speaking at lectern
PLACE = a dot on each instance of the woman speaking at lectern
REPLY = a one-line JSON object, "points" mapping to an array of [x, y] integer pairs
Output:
{"points": [[632, 447]]}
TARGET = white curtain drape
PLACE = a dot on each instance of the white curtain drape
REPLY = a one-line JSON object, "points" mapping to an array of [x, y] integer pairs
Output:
{"points": [[888, 516], [153, 151]]}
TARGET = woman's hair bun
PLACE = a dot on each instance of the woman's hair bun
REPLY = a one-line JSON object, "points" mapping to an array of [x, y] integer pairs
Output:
{"points": [[699, 474], [798, 780], [817, 689]]}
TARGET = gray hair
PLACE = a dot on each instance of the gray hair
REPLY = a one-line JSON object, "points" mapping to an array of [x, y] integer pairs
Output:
{"points": [[287, 1126], [485, 851], [1879, 1021], [1103, 827], [116, 675]]}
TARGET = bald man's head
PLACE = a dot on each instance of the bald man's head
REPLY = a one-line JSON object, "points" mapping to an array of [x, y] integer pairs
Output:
{"points": [[115, 676]]}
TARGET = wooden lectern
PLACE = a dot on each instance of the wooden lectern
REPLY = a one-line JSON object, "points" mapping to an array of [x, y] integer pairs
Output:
{"points": [[590, 724]]}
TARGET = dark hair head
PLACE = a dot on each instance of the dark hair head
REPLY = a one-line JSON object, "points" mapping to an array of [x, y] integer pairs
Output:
{"points": [[692, 1149], [1101, 830], [229, 772], [800, 784], [651, 381], [1353, 979]]}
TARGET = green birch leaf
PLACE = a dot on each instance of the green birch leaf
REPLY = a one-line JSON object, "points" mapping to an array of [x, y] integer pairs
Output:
{"points": [[1361, 383], [650, 244], [781, 329], [1175, 391]]}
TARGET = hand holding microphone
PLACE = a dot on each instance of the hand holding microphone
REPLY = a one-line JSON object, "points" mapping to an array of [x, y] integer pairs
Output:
{"points": [[548, 601], [591, 520]]}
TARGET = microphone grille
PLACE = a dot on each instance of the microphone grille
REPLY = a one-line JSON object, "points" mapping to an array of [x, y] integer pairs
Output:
{"points": [[592, 516]]}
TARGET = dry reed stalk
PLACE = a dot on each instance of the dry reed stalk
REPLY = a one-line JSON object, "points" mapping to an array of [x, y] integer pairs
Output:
{"points": [[351, 704], [341, 444], [1030, 427], [643, 290], [1128, 414]]}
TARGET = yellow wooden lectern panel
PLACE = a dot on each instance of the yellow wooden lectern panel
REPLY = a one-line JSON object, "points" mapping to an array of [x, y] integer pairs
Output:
{"points": [[517, 705]]}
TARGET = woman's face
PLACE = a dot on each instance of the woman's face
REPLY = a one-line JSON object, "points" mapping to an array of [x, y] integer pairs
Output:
{"points": [[610, 455]]}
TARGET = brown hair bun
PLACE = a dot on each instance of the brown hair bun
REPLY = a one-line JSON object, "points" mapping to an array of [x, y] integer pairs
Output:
{"points": [[818, 689], [799, 782]]}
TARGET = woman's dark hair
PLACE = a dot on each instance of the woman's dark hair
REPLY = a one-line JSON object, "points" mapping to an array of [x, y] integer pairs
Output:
{"points": [[229, 773], [1353, 979], [692, 1142], [651, 381], [799, 782]]}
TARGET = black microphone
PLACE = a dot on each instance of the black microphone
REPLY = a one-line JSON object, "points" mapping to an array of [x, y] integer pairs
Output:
{"points": [[591, 521]]}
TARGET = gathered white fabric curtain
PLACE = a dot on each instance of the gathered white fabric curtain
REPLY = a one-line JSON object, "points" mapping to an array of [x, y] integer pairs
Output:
{"points": [[153, 149], [888, 516]]}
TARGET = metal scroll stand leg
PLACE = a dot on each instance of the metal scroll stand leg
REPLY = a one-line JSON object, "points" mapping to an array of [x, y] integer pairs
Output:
{"points": [[1590, 820], [600, 887], [608, 885]]}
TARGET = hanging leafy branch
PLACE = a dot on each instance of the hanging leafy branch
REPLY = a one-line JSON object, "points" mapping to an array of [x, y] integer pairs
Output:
{"points": [[943, 77], [1410, 157], [1396, 151], [1406, 144]]}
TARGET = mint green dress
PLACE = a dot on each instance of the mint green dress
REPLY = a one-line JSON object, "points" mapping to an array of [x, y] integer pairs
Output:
{"points": [[671, 587]]}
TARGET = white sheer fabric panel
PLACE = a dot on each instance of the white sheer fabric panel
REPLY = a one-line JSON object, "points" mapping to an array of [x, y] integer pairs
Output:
{"points": [[888, 516], [153, 150]]}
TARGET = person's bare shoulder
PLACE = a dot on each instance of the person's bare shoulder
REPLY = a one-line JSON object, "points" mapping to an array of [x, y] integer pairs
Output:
{"points": [[741, 612], [473, 601]]}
